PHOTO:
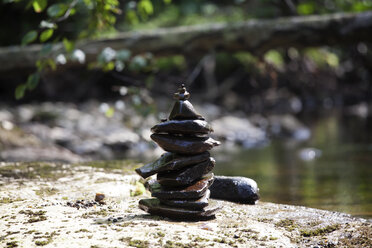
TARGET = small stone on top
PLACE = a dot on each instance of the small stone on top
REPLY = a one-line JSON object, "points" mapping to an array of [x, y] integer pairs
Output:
{"points": [[182, 93]]}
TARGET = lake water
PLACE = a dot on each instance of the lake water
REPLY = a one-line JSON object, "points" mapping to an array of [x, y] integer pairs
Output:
{"points": [[340, 179]]}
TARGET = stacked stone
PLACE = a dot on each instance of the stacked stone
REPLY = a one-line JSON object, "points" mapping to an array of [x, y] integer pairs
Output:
{"points": [[184, 171]]}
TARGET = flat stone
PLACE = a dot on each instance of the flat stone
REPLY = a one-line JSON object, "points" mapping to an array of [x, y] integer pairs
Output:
{"points": [[184, 145], [196, 204], [153, 206], [235, 189], [187, 175], [194, 191], [183, 110], [183, 127], [170, 161]]}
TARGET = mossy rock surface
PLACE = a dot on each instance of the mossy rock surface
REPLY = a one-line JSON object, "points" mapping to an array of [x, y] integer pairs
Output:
{"points": [[34, 212]]}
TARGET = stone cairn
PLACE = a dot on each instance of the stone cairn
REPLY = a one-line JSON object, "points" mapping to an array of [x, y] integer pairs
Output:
{"points": [[184, 171]]}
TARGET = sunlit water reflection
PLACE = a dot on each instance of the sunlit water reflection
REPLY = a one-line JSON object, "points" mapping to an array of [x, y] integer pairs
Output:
{"points": [[338, 177]]}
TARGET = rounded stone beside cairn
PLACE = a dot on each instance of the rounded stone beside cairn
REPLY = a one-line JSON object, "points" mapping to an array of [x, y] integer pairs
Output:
{"points": [[184, 171]]}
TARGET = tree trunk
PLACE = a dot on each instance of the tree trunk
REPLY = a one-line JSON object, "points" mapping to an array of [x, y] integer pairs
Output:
{"points": [[256, 36]]}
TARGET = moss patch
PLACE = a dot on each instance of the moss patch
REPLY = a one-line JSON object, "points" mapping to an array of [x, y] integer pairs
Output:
{"points": [[127, 166], [33, 170], [12, 244], [135, 242], [101, 212], [7, 200], [172, 244], [319, 231], [46, 191], [362, 237], [34, 216], [46, 239], [288, 224]]}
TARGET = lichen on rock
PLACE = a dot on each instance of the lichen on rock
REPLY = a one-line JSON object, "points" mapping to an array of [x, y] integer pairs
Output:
{"points": [[119, 223]]}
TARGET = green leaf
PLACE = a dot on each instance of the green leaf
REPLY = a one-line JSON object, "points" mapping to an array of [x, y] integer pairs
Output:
{"points": [[109, 66], [51, 64], [139, 190], [20, 91], [57, 10], [110, 112], [33, 81], [361, 6], [46, 34], [69, 45], [145, 8], [275, 58], [132, 17], [306, 8], [39, 5], [29, 37]]}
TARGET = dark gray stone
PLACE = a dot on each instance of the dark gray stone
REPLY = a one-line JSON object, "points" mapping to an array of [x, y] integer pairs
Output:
{"points": [[170, 161], [183, 127], [187, 175], [235, 189], [153, 206], [183, 110], [183, 144], [197, 190], [195, 204]]}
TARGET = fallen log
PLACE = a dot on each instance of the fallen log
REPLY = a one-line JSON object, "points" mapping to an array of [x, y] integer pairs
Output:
{"points": [[256, 36]]}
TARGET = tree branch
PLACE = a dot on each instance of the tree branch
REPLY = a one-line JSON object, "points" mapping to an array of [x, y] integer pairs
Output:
{"points": [[256, 36]]}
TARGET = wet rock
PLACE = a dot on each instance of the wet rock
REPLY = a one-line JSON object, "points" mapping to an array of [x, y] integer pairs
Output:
{"points": [[194, 191], [239, 130], [48, 134], [183, 110], [153, 206], [28, 154], [170, 161], [186, 176], [196, 204], [288, 126], [6, 115], [184, 145], [183, 127], [120, 137], [235, 189]]}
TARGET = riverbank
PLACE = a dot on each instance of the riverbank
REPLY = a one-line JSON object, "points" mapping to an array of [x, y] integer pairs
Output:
{"points": [[69, 132], [38, 206]]}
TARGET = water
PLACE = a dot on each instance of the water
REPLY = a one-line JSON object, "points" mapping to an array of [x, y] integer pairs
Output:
{"points": [[340, 179]]}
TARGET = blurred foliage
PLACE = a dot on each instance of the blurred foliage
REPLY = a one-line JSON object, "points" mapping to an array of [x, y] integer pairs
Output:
{"points": [[47, 22]]}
